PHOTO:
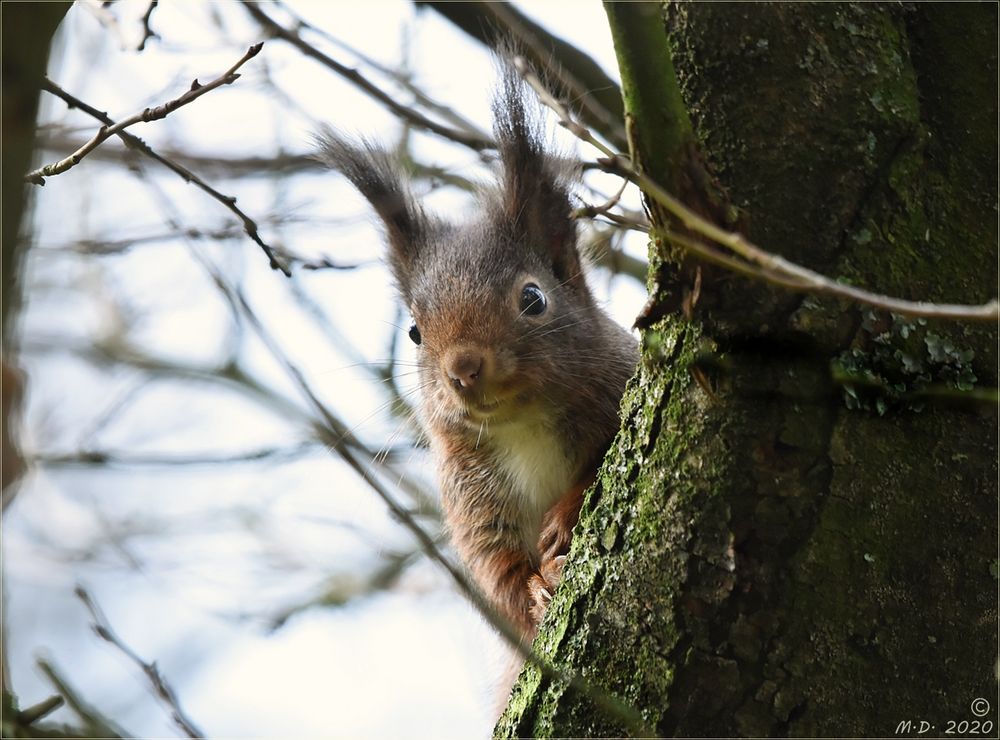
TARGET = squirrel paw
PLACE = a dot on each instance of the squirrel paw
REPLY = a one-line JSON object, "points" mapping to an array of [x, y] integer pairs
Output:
{"points": [[543, 585], [558, 523], [555, 537]]}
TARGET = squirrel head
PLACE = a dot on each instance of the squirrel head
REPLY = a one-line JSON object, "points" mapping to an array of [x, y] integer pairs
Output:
{"points": [[504, 320]]}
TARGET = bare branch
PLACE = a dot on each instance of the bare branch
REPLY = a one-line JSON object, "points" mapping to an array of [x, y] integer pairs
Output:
{"points": [[39, 711], [134, 142], [343, 589], [250, 166], [147, 30], [604, 210], [591, 211], [779, 271], [160, 686], [624, 222], [229, 375], [146, 115], [759, 264], [102, 247], [109, 458], [325, 263], [94, 724], [474, 141], [398, 77], [60, 140]]}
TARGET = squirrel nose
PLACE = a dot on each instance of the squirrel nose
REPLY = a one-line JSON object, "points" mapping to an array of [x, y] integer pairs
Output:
{"points": [[464, 369]]}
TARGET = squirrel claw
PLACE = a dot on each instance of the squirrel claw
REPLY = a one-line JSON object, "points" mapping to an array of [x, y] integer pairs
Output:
{"points": [[543, 584], [558, 523]]}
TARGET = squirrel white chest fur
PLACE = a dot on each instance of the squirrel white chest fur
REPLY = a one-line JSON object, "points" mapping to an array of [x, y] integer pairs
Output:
{"points": [[537, 466]]}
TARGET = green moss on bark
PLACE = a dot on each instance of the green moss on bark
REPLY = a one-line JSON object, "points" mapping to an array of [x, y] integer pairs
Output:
{"points": [[655, 400]]}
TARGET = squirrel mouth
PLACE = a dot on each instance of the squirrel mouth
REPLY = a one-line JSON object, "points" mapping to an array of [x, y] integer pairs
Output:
{"points": [[497, 408], [494, 403], [482, 408]]}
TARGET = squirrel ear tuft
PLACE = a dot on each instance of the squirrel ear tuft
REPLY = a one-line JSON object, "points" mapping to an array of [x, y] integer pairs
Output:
{"points": [[535, 193], [373, 172]]}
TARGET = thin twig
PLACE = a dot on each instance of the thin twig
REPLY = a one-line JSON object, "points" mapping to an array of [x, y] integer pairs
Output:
{"points": [[249, 166], [134, 142], [103, 247], [779, 271], [147, 30], [472, 140], [228, 376], [38, 711], [111, 458], [146, 115], [161, 688], [94, 724], [58, 139], [624, 222], [589, 211], [326, 263], [760, 264], [733, 264], [339, 591], [398, 77], [623, 218]]}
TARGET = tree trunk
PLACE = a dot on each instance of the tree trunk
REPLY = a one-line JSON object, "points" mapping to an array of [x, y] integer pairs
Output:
{"points": [[27, 30], [795, 532]]}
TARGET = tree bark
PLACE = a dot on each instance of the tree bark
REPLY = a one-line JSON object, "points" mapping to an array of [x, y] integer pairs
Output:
{"points": [[27, 31], [795, 532]]}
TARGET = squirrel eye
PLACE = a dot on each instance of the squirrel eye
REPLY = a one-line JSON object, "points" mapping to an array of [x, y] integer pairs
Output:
{"points": [[414, 333], [532, 300]]}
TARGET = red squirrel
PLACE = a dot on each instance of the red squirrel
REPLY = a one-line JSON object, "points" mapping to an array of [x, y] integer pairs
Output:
{"points": [[521, 371]]}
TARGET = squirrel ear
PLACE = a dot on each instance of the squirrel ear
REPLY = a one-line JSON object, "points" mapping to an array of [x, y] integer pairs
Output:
{"points": [[372, 171], [535, 197]]}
